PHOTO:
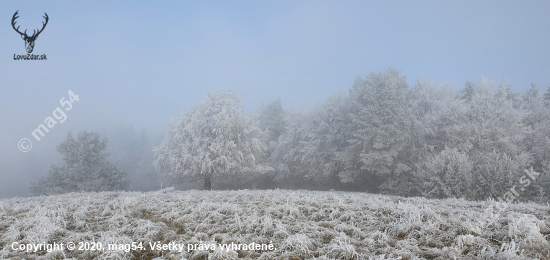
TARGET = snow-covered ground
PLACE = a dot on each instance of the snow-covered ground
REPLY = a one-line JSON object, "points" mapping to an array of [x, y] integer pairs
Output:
{"points": [[296, 224]]}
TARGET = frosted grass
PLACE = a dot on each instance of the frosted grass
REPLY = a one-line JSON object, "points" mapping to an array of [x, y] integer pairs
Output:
{"points": [[301, 225]]}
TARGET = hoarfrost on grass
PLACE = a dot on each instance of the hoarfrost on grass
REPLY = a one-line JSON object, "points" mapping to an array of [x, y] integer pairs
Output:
{"points": [[299, 224]]}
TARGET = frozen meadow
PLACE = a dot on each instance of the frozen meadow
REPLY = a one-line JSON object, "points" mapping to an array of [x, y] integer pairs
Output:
{"points": [[299, 225]]}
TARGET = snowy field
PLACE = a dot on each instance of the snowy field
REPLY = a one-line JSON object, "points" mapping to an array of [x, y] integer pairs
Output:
{"points": [[296, 224]]}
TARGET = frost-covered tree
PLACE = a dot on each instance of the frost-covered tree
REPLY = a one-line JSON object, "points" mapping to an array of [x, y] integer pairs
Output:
{"points": [[383, 128], [476, 146], [271, 120], [436, 115], [495, 122], [213, 139], [313, 144], [438, 143], [494, 132], [327, 137], [537, 140], [531, 96], [448, 174], [286, 154], [536, 119], [468, 92], [85, 168], [504, 91], [310, 146], [547, 97]]}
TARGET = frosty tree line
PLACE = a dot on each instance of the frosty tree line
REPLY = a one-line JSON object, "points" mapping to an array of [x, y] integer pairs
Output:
{"points": [[382, 136]]}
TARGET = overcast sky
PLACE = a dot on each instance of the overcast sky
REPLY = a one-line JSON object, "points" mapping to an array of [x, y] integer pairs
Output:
{"points": [[140, 63]]}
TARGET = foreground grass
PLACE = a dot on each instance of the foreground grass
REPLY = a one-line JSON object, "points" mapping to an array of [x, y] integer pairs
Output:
{"points": [[299, 224]]}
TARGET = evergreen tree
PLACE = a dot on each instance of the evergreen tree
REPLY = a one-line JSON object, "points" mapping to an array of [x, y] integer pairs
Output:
{"points": [[286, 154], [547, 97], [85, 168], [271, 120], [468, 92], [496, 132], [328, 136], [537, 140], [504, 91], [313, 146], [531, 95]]}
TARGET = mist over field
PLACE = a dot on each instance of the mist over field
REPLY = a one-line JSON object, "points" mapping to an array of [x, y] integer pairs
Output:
{"points": [[215, 110]]}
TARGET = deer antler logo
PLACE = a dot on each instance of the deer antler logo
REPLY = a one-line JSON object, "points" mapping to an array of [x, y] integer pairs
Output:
{"points": [[29, 40]]}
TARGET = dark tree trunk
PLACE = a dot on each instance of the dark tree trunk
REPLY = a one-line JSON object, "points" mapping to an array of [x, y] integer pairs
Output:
{"points": [[207, 183]]}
